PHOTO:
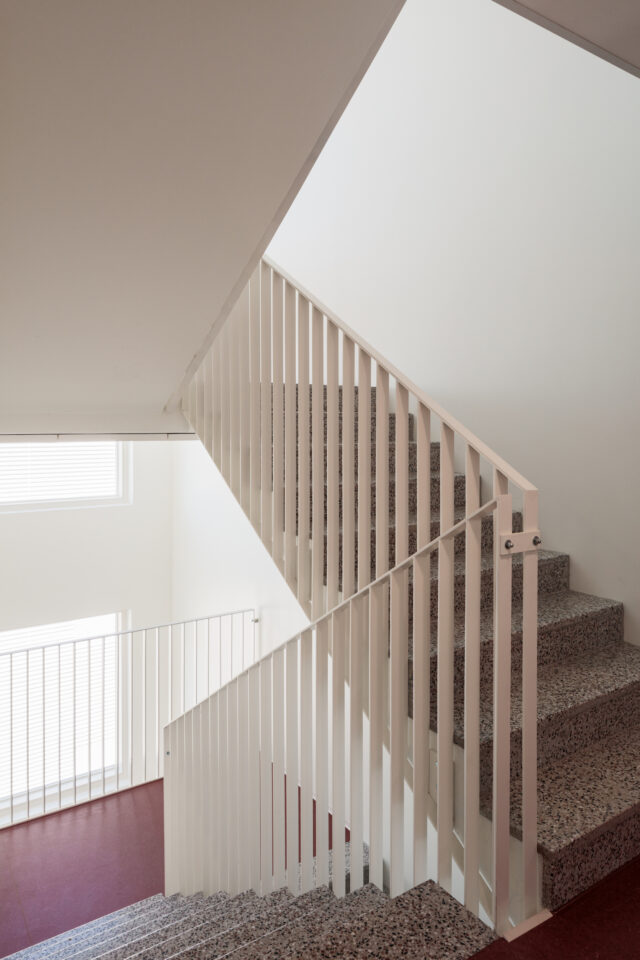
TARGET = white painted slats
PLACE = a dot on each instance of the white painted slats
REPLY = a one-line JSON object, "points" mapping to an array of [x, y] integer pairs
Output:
{"points": [[338, 639], [529, 710], [171, 812], [348, 467], [278, 422], [304, 424], [266, 400], [423, 439], [244, 352], [290, 426], [402, 473], [398, 735], [473, 546], [216, 421], [501, 705], [207, 436], [378, 640], [231, 782], [243, 854], [224, 849], [445, 663], [292, 765], [225, 405], [279, 874], [215, 783], [322, 753], [421, 712], [382, 471], [306, 762], [253, 760], [359, 609], [266, 779], [333, 529], [234, 409], [364, 468], [318, 477], [254, 397]]}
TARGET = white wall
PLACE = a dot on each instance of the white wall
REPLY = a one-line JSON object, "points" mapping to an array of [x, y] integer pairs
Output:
{"points": [[219, 562], [476, 216], [64, 564]]}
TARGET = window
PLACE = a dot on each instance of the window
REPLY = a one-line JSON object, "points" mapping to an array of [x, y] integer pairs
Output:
{"points": [[49, 475]]}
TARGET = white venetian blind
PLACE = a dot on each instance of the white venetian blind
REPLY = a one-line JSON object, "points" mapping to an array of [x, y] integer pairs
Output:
{"points": [[32, 473]]}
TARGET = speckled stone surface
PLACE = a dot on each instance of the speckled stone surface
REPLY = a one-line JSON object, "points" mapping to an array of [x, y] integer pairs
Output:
{"points": [[425, 922], [208, 910]]}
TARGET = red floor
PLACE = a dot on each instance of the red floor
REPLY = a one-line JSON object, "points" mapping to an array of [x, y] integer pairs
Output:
{"points": [[601, 924], [70, 867]]}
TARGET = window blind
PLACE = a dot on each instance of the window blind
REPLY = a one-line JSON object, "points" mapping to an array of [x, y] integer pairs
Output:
{"points": [[32, 473]]}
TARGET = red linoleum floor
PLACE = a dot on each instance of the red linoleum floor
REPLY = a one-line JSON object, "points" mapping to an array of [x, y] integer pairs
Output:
{"points": [[601, 924], [71, 867]]}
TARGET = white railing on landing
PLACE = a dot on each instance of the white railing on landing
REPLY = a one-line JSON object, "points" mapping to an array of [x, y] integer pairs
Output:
{"points": [[83, 718], [275, 403]]}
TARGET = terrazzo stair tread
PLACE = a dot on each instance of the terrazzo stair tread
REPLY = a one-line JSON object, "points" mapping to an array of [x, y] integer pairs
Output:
{"points": [[296, 910], [100, 927], [237, 912], [296, 939], [209, 910], [588, 814], [425, 922], [412, 453]]}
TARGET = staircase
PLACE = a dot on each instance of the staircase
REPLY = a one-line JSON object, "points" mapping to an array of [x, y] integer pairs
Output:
{"points": [[470, 667], [247, 927]]}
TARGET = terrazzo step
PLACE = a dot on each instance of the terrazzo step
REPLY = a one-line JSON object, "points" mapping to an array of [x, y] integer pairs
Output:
{"points": [[412, 452], [425, 922], [588, 814], [101, 928], [570, 624], [298, 939], [281, 912], [373, 414], [412, 490], [580, 701], [236, 911], [164, 928]]}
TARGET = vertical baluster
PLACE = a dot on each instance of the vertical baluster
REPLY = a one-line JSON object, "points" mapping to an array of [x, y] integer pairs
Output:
{"points": [[234, 825], [382, 471], [529, 708], [75, 728], [254, 367], [278, 769], [225, 850], [304, 423], [358, 633], [207, 399], [445, 661], [215, 784], [196, 798], [266, 399], [423, 476], [216, 403], [44, 737], [179, 794], [398, 736], [322, 753], [204, 843], [169, 815], [501, 704], [338, 628], [473, 547], [306, 762], [377, 658], [292, 766], [225, 405], [333, 528], [290, 414], [245, 408], [244, 872], [59, 707], [278, 425], [189, 885], [266, 787], [317, 445], [364, 468], [402, 474], [234, 327], [348, 468], [199, 412], [421, 711]]}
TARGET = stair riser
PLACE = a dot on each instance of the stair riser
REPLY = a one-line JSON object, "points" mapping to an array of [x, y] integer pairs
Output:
{"points": [[412, 490], [588, 860], [412, 452]]}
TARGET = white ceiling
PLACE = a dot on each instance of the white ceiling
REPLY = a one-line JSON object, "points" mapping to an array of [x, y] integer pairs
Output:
{"points": [[149, 151], [608, 28]]}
